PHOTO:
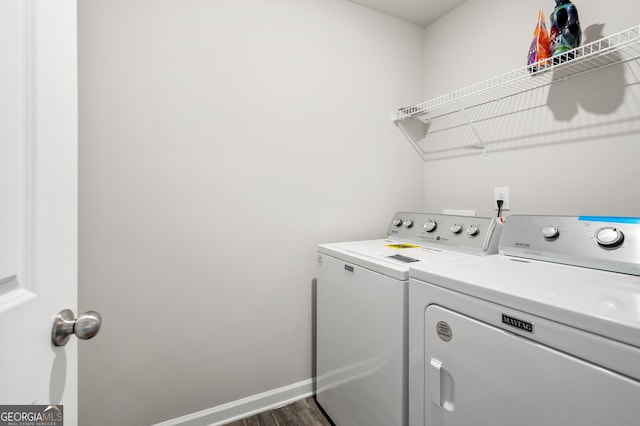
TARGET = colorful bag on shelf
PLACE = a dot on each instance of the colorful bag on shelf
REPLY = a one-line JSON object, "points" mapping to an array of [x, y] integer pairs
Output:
{"points": [[539, 49]]}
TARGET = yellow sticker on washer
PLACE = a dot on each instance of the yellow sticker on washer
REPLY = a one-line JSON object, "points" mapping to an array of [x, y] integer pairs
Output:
{"points": [[401, 246]]}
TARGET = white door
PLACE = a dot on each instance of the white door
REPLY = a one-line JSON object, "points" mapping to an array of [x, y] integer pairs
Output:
{"points": [[38, 201]]}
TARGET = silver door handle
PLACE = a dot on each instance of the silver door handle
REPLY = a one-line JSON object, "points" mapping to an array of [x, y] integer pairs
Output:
{"points": [[84, 327]]}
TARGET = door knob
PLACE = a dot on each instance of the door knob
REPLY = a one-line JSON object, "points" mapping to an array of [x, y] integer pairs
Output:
{"points": [[85, 326]]}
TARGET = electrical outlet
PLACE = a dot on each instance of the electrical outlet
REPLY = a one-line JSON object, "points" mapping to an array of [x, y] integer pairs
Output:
{"points": [[501, 193]]}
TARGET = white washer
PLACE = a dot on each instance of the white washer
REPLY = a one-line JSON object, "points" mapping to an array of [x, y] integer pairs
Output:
{"points": [[545, 333], [362, 313]]}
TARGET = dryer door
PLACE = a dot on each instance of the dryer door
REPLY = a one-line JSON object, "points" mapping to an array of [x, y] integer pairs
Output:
{"points": [[477, 374]]}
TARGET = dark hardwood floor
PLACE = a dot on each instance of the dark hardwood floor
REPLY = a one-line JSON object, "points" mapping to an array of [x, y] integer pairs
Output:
{"points": [[301, 413]]}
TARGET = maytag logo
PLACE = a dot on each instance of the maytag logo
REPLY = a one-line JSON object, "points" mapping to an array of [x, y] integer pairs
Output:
{"points": [[514, 322], [523, 245]]}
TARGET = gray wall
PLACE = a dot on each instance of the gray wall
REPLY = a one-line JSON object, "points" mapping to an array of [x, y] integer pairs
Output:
{"points": [[220, 141], [575, 152]]}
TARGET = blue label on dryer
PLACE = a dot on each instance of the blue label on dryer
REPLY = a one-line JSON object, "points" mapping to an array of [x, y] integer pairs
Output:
{"points": [[611, 219]]}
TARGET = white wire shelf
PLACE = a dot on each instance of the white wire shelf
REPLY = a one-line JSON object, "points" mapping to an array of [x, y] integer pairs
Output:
{"points": [[453, 112]]}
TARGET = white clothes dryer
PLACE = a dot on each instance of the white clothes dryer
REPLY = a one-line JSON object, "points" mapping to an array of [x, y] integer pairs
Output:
{"points": [[545, 333], [362, 312]]}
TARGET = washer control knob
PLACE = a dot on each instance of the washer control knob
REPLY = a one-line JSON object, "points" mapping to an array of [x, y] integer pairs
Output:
{"points": [[550, 232], [397, 222], [456, 229], [609, 237], [430, 225], [473, 230], [408, 223]]}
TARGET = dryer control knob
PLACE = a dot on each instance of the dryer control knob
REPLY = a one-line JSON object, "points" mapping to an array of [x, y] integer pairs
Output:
{"points": [[397, 222], [609, 237], [473, 230], [550, 232], [456, 229], [430, 226], [408, 223]]}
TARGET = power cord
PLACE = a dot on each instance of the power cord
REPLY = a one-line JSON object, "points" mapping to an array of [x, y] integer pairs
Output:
{"points": [[500, 202]]}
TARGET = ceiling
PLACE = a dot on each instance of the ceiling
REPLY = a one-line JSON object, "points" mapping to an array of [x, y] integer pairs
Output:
{"points": [[421, 12]]}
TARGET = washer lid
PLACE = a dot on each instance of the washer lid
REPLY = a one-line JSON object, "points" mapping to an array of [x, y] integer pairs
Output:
{"points": [[601, 302], [389, 257]]}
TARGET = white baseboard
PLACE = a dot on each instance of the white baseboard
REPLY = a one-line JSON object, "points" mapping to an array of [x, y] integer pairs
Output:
{"points": [[245, 407]]}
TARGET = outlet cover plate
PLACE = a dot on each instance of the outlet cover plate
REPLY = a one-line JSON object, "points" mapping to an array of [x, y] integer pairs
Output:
{"points": [[501, 193]]}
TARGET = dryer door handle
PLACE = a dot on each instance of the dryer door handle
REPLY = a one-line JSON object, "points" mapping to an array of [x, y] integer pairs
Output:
{"points": [[435, 369], [441, 385]]}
